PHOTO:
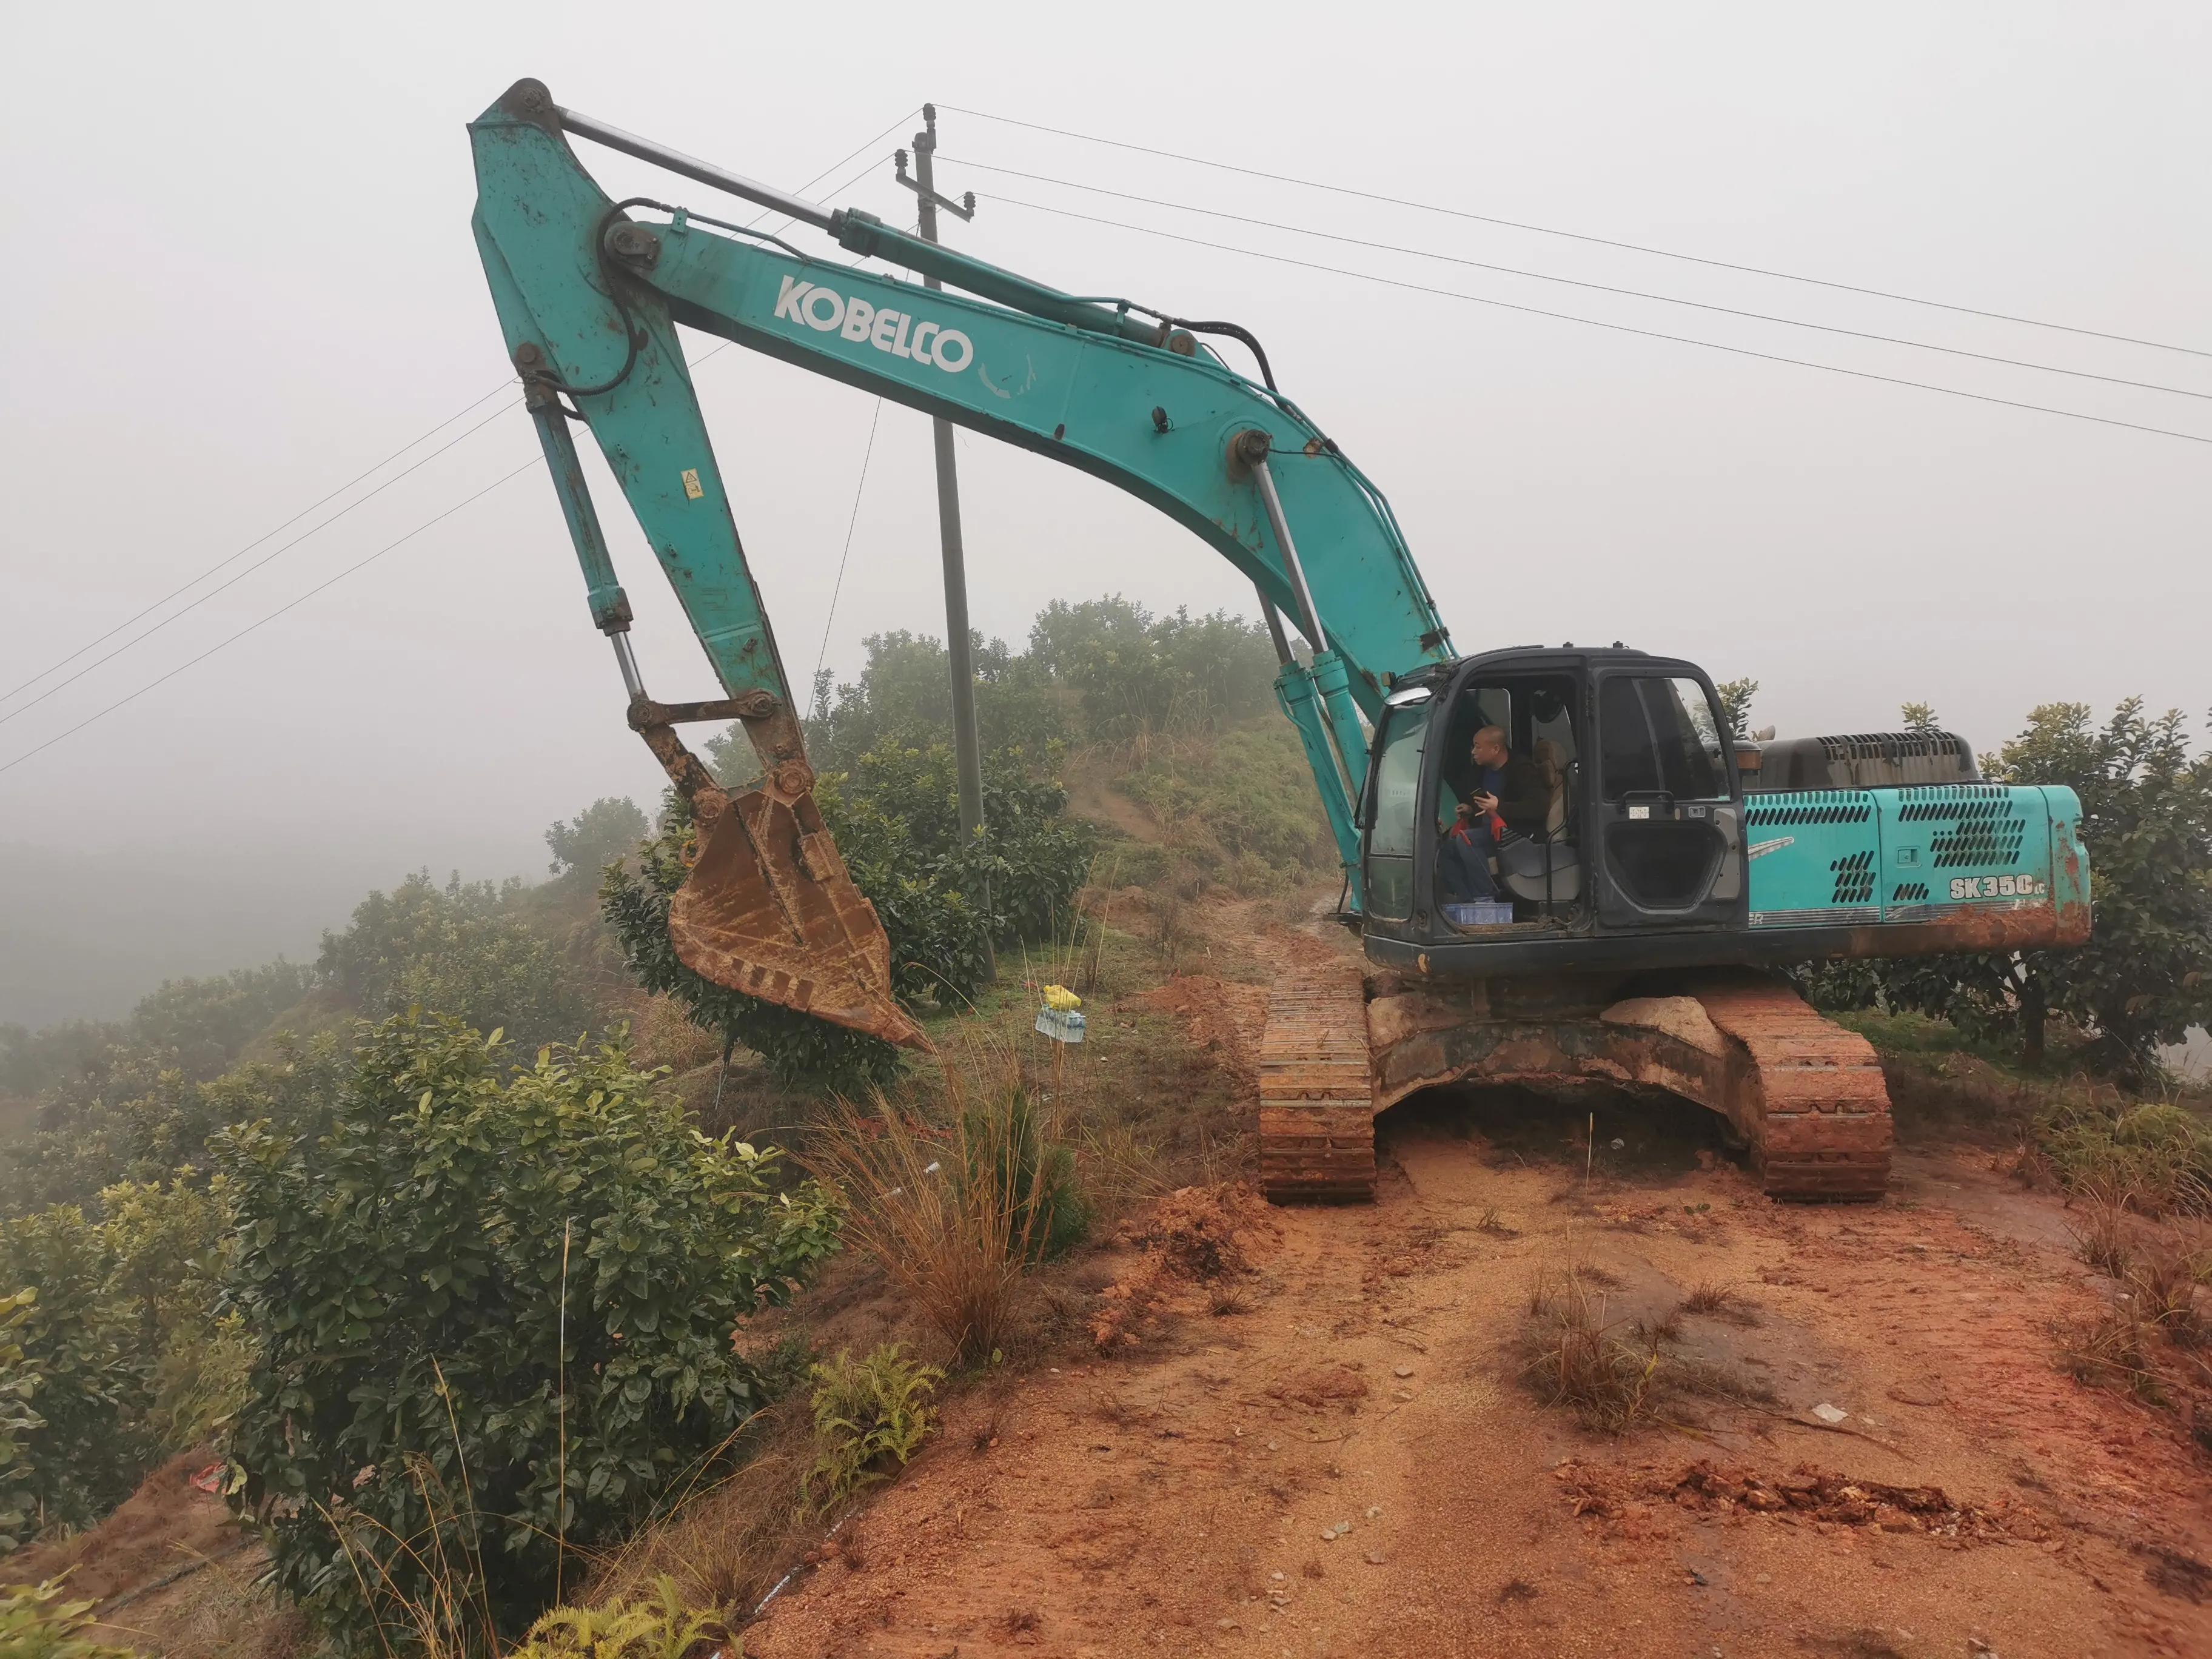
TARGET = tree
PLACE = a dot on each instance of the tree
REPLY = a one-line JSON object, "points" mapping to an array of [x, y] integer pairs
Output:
{"points": [[465, 950], [1735, 697], [94, 1380], [596, 836], [2145, 977], [19, 1495], [494, 1309]]}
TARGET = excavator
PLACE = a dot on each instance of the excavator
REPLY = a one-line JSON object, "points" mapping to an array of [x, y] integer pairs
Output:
{"points": [[1641, 931]]}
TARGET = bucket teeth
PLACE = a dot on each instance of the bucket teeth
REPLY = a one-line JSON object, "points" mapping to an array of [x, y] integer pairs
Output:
{"points": [[770, 910]]}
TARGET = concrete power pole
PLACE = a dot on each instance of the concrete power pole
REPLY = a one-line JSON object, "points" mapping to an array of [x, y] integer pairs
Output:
{"points": [[966, 748]]}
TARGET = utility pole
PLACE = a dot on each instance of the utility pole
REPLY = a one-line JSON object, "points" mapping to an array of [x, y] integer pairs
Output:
{"points": [[966, 748]]}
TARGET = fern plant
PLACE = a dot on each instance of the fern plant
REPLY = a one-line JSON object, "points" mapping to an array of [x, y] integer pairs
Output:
{"points": [[660, 1628], [35, 1623], [871, 1416]]}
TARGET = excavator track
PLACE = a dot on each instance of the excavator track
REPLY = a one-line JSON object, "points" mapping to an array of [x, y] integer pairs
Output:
{"points": [[1810, 1094], [1806, 1096], [1316, 1094]]}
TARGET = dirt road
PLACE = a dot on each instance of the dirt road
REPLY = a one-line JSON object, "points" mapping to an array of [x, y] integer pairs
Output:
{"points": [[1331, 1452]]}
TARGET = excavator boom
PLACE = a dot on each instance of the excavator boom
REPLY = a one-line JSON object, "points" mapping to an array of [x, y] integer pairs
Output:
{"points": [[589, 296]]}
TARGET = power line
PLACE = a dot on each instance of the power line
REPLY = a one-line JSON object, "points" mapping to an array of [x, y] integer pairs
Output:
{"points": [[1592, 322], [859, 490], [233, 557], [411, 443], [186, 611], [1577, 236], [250, 627], [1571, 281]]}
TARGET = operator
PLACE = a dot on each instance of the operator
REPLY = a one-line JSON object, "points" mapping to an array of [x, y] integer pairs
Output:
{"points": [[1511, 795]]}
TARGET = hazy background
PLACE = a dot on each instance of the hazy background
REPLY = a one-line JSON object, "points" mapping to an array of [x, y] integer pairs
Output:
{"points": [[239, 271]]}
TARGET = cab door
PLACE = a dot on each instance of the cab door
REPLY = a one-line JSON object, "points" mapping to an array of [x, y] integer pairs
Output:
{"points": [[1390, 812], [1666, 814]]}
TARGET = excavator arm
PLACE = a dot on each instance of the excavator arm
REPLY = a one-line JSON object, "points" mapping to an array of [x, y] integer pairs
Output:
{"points": [[589, 292]]}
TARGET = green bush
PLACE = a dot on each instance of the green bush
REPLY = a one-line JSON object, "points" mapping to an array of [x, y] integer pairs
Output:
{"points": [[35, 1623], [19, 1497], [195, 1026], [81, 1340], [2157, 1159], [1240, 806], [464, 949], [871, 1416], [942, 899], [1138, 673], [1029, 1176], [798, 1047], [603, 832], [661, 1628], [2145, 977], [427, 1274]]}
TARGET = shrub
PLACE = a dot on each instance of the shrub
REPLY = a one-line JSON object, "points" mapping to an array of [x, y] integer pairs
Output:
{"points": [[2145, 977], [869, 1415], [494, 1312], [956, 1211], [797, 1047], [942, 899], [603, 832], [1241, 807], [464, 949], [18, 1382], [80, 1338], [37, 1624], [660, 1628], [2154, 1158]]}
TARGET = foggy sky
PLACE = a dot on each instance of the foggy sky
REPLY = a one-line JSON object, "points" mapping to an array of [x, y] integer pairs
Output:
{"points": [[241, 270]]}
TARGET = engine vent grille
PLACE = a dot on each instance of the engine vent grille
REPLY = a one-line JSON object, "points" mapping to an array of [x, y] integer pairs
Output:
{"points": [[1909, 892], [1762, 818], [1854, 879]]}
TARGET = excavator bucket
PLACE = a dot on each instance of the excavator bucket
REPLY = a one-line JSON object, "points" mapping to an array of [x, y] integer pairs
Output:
{"points": [[770, 910]]}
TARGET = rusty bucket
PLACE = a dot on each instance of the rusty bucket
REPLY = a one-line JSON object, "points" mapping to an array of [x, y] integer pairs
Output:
{"points": [[770, 910]]}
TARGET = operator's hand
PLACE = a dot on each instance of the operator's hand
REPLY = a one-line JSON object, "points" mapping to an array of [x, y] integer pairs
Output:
{"points": [[1486, 805], [1462, 813]]}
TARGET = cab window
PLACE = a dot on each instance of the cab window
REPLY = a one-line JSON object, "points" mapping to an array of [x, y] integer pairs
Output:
{"points": [[1659, 736], [1391, 823]]}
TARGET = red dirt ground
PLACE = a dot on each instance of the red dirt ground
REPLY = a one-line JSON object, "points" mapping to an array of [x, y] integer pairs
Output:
{"points": [[1306, 1434]]}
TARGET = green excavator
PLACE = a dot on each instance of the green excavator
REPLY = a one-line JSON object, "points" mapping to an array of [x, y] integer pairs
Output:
{"points": [[1628, 933]]}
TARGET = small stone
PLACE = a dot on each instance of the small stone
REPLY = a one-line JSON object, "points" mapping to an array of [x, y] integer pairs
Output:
{"points": [[1342, 1527], [1400, 1394], [1274, 1445], [1402, 1370], [1829, 1414], [1764, 1578], [1374, 1557], [1374, 1511], [1277, 1576]]}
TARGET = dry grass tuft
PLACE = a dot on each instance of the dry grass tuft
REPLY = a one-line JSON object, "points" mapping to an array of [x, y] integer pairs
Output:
{"points": [[1226, 1301], [1715, 1301], [1577, 1360], [955, 1212], [1611, 1374], [2105, 1239], [2162, 1283], [726, 1545], [2113, 1350]]}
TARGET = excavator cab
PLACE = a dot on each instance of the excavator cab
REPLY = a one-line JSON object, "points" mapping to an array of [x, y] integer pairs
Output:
{"points": [[1628, 818]]}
